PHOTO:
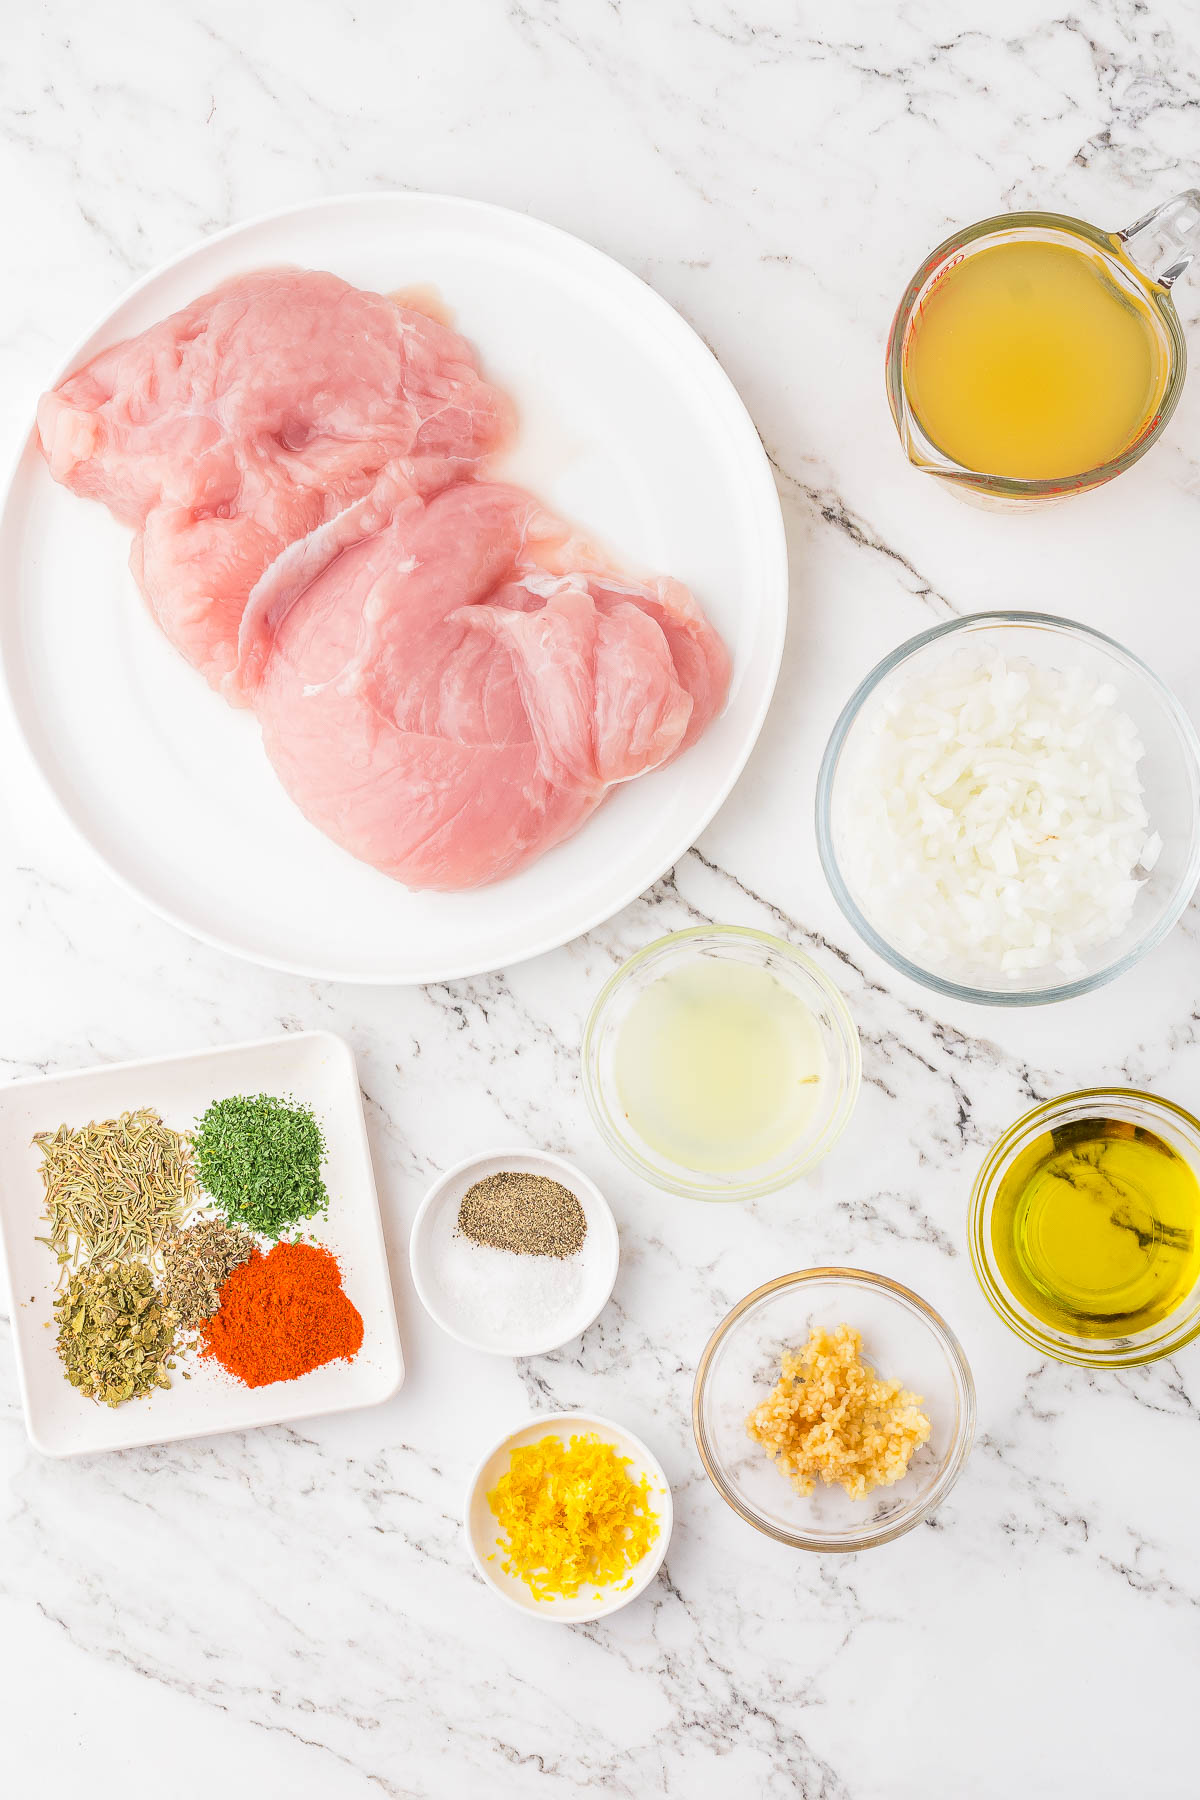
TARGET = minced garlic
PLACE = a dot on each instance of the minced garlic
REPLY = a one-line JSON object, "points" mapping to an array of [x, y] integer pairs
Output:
{"points": [[829, 1415], [572, 1515]]}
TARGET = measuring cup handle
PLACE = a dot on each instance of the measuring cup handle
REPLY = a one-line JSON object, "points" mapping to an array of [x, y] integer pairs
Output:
{"points": [[1163, 243]]}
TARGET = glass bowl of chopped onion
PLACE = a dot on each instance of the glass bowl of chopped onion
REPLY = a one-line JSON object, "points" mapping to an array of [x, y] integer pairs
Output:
{"points": [[833, 1409], [1008, 810]]}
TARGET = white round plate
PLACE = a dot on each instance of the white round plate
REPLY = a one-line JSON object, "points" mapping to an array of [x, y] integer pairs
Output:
{"points": [[629, 428], [433, 1231], [481, 1528]]}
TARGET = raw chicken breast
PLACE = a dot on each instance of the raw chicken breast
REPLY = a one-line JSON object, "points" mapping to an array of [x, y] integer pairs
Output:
{"points": [[448, 698], [251, 419], [449, 681]]}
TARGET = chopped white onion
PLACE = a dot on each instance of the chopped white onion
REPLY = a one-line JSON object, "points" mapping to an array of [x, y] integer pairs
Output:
{"points": [[990, 816]]}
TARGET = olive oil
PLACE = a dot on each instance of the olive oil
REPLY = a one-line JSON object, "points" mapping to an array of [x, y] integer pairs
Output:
{"points": [[1030, 359], [718, 1066], [1096, 1228]]}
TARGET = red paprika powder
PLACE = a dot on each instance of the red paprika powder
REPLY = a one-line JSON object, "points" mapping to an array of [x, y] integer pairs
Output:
{"points": [[281, 1315]]}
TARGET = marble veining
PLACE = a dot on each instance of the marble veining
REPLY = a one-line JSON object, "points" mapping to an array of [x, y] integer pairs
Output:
{"points": [[293, 1611]]}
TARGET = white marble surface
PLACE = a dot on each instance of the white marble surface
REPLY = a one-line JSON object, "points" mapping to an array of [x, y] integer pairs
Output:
{"points": [[292, 1611]]}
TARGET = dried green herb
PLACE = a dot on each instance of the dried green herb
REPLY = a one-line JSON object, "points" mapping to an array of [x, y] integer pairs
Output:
{"points": [[196, 1260], [114, 1189], [260, 1159], [115, 1337]]}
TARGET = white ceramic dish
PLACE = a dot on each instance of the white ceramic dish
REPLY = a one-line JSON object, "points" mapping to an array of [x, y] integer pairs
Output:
{"points": [[629, 428], [433, 1238], [317, 1068], [590, 1603]]}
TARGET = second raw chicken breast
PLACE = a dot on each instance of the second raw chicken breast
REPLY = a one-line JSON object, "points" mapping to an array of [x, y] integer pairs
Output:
{"points": [[450, 696]]}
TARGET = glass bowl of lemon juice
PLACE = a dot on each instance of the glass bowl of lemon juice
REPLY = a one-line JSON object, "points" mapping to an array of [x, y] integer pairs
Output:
{"points": [[720, 1063]]}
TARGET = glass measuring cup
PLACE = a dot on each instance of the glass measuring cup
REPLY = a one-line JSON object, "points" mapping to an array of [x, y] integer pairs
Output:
{"points": [[1145, 259]]}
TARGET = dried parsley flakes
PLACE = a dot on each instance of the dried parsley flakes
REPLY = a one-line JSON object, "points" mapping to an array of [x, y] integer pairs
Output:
{"points": [[260, 1159], [115, 1337]]}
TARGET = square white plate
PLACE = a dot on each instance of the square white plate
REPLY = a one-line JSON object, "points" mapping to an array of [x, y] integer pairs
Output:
{"points": [[317, 1068]]}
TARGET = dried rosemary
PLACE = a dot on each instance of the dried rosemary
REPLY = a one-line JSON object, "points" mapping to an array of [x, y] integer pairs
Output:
{"points": [[115, 1337], [196, 1260], [114, 1189]]}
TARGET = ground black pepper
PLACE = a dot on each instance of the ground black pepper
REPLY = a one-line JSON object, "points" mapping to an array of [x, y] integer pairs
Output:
{"points": [[527, 1214]]}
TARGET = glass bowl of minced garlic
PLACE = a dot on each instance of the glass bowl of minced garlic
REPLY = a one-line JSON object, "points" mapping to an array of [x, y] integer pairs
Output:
{"points": [[833, 1409]]}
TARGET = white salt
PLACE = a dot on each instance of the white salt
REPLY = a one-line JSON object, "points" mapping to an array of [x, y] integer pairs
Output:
{"points": [[500, 1295]]}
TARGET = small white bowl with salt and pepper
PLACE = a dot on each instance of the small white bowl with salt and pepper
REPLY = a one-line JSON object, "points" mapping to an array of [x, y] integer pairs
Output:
{"points": [[514, 1301]]}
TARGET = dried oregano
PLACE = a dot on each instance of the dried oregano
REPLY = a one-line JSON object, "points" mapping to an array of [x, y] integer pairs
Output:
{"points": [[115, 1336]]}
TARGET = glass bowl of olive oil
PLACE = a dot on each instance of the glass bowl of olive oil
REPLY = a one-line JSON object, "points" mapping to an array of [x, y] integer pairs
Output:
{"points": [[720, 1063], [1085, 1228]]}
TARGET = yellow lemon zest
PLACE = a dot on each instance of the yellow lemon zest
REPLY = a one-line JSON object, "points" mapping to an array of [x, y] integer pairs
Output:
{"points": [[572, 1515]]}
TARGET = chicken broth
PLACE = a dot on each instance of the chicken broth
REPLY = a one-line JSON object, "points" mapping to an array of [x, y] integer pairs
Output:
{"points": [[1031, 360]]}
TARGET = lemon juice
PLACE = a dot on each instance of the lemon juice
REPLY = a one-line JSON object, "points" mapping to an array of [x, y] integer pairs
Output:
{"points": [[718, 1066]]}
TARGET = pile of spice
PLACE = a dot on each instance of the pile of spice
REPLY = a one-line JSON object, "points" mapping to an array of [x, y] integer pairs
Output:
{"points": [[509, 1262], [829, 1416], [119, 1196], [282, 1315], [260, 1159], [116, 1189], [572, 1514], [197, 1260], [115, 1336], [529, 1215]]}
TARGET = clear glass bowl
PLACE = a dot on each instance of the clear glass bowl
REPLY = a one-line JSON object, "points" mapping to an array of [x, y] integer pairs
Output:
{"points": [[903, 1339], [796, 972], [1167, 1121], [1170, 774]]}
